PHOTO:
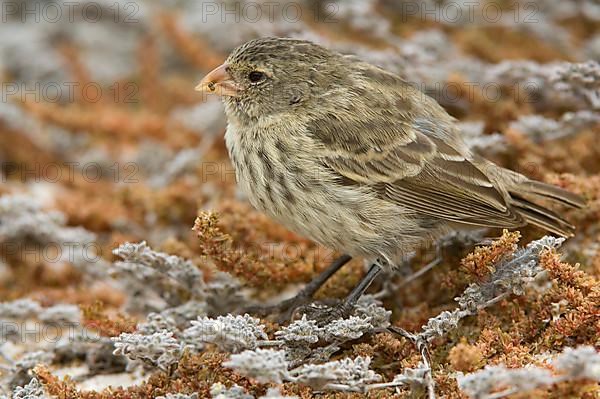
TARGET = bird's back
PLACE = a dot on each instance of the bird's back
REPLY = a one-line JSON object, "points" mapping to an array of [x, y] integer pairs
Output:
{"points": [[405, 145]]}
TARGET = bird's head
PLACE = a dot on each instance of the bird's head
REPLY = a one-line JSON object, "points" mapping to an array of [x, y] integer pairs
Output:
{"points": [[271, 76]]}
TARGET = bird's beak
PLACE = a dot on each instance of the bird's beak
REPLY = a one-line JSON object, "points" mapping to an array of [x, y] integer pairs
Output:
{"points": [[220, 82]]}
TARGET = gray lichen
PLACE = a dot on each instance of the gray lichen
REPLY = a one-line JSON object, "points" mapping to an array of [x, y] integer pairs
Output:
{"points": [[300, 332], [159, 349], [511, 276], [347, 329], [579, 363], [140, 258], [582, 363], [220, 391], [33, 390], [230, 333], [540, 128], [346, 374], [264, 365], [179, 396], [25, 225], [273, 393]]}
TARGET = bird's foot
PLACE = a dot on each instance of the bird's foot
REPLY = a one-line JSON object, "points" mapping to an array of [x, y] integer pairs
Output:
{"points": [[284, 309], [324, 314]]}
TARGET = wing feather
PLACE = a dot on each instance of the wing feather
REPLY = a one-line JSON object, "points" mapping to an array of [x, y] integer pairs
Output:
{"points": [[410, 152]]}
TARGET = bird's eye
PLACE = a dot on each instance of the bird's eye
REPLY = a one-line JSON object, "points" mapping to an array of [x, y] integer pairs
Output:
{"points": [[256, 76]]}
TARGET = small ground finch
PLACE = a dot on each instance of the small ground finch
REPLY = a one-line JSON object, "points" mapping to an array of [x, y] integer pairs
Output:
{"points": [[355, 158]]}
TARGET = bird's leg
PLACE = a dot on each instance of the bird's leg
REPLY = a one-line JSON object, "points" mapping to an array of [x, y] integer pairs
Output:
{"points": [[311, 288], [324, 315], [362, 286], [287, 307]]}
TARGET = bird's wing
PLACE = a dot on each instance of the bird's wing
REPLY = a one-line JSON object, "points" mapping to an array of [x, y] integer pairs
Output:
{"points": [[412, 157]]}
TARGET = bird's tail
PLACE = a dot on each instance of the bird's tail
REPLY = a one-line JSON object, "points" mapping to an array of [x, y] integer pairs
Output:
{"points": [[523, 194]]}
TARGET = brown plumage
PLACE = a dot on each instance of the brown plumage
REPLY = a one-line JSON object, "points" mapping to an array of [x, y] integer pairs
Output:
{"points": [[357, 159]]}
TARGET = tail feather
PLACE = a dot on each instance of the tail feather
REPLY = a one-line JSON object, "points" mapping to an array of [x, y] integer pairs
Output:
{"points": [[539, 215], [542, 217], [552, 192]]}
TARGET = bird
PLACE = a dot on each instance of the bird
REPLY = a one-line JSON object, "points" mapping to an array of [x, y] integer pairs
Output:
{"points": [[357, 159]]}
